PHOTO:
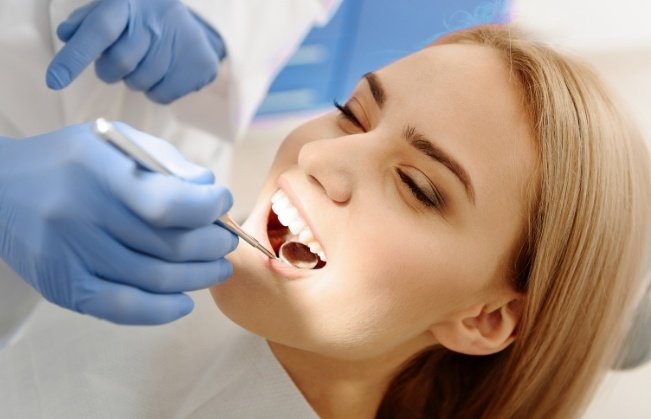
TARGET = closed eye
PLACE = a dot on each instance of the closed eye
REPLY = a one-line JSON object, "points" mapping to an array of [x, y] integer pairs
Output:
{"points": [[348, 114], [435, 201]]}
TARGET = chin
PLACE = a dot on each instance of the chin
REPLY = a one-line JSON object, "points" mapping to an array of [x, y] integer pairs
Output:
{"points": [[264, 296], [241, 298], [256, 296]]}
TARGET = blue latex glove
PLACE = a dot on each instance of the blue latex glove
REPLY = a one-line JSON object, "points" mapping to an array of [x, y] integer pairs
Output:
{"points": [[92, 232], [156, 46]]}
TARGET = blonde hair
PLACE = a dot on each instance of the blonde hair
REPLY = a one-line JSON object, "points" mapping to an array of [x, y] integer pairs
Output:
{"points": [[581, 260]]}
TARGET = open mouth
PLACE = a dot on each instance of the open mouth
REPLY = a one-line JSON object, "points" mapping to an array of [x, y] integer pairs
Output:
{"points": [[284, 224]]}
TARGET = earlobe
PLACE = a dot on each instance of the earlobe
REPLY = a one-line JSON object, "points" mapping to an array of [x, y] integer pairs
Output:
{"points": [[481, 330]]}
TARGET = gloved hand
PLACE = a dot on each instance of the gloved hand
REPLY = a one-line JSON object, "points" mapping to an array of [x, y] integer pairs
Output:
{"points": [[156, 46], [91, 231]]}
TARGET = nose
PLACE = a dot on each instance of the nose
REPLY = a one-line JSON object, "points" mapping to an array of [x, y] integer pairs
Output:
{"points": [[331, 164]]}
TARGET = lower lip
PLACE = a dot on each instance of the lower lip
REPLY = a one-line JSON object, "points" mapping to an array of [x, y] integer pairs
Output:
{"points": [[285, 270]]}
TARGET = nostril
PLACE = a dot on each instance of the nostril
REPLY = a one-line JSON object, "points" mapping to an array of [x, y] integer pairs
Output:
{"points": [[337, 190], [329, 172], [315, 181]]}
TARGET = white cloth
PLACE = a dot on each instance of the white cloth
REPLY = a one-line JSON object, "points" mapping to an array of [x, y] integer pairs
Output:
{"points": [[259, 35], [64, 365]]}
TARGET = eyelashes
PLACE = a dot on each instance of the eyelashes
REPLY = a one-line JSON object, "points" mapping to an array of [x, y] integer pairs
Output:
{"points": [[347, 113], [436, 202]]}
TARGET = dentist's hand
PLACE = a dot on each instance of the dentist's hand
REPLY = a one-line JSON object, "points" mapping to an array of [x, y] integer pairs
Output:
{"points": [[156, 46], [93, 232]]}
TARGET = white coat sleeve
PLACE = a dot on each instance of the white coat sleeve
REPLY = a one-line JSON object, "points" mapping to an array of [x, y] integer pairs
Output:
{"points": [[260, 36]]}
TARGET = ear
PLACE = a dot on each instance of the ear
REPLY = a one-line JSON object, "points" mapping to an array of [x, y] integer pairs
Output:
{"points": [[483, 329]]}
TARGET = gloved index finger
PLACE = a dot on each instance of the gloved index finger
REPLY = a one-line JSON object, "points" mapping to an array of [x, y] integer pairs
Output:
{"points": [[98, 31], [67, 28]]}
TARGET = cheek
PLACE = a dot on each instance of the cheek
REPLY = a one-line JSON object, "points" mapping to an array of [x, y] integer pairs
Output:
{"points": [[406, 282], [383, 291]]}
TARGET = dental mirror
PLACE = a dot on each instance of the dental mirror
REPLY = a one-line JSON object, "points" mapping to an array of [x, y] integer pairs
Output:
{"points": [[298, 255]]}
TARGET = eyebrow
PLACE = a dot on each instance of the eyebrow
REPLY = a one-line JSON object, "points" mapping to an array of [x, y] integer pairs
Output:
{"points": [[427, 147], [377, 90], [420, 142]]}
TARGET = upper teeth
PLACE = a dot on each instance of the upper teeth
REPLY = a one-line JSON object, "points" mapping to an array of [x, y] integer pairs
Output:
{"points": [[289, 217]]}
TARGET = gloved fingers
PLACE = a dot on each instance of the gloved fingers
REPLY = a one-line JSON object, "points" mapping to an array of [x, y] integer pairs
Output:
{"points": [[101, 28], [166, 201], [152, 67], [68, 27], [125, 266], [169, 155], [160, 200], [124, 304], [204, 244], [121, 58], [178, 81]]}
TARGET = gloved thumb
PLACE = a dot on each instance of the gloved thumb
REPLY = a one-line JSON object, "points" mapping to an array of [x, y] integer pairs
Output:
{"points": [[169, 155]]}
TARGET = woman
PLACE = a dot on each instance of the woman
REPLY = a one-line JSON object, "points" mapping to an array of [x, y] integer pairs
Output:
{"points": [[480, 197], [480, 210]]}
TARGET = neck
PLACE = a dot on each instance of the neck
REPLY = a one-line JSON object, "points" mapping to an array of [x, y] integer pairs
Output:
{"points": [[338, 388]]}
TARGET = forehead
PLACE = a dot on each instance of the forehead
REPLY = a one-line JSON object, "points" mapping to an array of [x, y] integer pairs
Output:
{"points": [[460, 81], [465, 63]]}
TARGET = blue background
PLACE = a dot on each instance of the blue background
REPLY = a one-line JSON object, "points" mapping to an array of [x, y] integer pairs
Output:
{"points": [[365, 35]]}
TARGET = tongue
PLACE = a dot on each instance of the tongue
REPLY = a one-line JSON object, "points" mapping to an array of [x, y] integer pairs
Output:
{"points": [[277, 237], [277, 233]]}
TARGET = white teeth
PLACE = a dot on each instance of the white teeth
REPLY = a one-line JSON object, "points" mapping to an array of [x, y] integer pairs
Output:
{"points": [[289, 217], [277, 196], [280, 205], [315, 247], [296, 226], [305, 236]]}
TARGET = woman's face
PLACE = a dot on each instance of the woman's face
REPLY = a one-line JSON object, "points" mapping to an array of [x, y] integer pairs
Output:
{"points": [[415, 193]]}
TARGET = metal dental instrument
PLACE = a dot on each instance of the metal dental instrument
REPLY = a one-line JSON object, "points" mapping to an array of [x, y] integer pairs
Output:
{"points": [[107, 131]]}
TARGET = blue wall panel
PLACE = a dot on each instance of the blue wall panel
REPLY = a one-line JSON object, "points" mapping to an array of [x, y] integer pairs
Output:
{"points": [[365, 35]]}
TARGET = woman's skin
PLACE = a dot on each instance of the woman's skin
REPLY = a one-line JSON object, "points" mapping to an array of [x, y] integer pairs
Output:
{"points": [[401, 275]]}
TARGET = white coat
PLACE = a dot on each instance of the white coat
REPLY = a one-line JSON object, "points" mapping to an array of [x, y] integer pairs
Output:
{"points": [[64, 365], [259, 35]]}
